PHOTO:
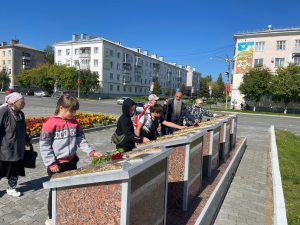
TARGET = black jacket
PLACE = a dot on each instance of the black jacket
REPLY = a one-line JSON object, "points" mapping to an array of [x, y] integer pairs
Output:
{"points": [[125, 126], [12, 135], [179, 119]]}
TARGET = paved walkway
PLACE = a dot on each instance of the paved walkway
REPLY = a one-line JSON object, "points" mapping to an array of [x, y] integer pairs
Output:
{"points": [[247, 198], [31, 208]]}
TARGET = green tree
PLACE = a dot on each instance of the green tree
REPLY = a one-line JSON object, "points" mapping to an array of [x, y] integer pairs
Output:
{"points": [[204, 89], [256, 83], [156, 88], [4, 80], [286, 85], [89, 81], [49, 54], [183, 89], [218, 90]]}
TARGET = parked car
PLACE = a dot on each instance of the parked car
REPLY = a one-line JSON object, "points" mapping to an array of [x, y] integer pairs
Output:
{"points": [[9, 91], [139, 107], [41, 93], [29, 92], [121, 100]]}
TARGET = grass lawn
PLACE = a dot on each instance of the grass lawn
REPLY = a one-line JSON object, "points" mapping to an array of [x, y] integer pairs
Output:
{"points": [[250, 111], [288, 146]]}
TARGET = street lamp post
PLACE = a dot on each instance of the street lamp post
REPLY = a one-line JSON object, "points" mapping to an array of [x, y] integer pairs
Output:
{"points": [[2, 81], [78, 81]]}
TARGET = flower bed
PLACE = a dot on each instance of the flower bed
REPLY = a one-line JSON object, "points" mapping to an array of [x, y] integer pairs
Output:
{"points": [[87, 120]]}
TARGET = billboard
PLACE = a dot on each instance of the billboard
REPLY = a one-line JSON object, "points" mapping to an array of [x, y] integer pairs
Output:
{"points": [[244, 58]]}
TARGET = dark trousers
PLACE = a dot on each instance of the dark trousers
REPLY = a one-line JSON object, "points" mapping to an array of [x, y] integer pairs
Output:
{"points": [[72, 165]]}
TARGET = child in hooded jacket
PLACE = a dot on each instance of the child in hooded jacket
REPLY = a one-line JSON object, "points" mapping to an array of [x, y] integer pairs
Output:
{"points": [[61, 135]]}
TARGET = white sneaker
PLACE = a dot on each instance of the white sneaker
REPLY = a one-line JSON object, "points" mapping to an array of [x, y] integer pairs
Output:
{"points": [[48, 222], [13, 192]]}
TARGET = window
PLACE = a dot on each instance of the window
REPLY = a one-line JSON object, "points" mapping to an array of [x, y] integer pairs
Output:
{"points": [[111, 76], [118, 88], [118, 76], [59, 62], [130, 89], [76, 51], [9, 52], [297, 60], [68, 63], [95, 62], [280, 45], [3, 62], [67, 51], [118, 55], [124, 88], [96, 50], [59, 52], [111, 65], [297, 44], [259, 46], [111, 88], [3, 53], [9, 62], [279, 62], [118, 66], [111, 52], [258, 62]]}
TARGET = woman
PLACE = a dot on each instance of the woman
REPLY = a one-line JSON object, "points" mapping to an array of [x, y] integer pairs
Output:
{"points": [[12, 141]]}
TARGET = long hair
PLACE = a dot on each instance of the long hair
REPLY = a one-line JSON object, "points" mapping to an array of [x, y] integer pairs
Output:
{"points": [[67, 101]]}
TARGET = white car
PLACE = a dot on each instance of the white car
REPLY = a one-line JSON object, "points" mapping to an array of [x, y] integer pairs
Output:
{"points": [[41, 93], [121, 100]]}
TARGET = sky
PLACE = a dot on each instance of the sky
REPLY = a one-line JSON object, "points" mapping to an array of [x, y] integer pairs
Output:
{"points": [[198, 33]]}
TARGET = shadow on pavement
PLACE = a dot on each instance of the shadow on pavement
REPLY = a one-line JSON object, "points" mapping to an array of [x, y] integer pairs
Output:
{"points": [[34, 185]]}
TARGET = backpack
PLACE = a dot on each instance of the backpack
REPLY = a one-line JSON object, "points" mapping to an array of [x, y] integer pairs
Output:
{"points": [[138, 117]]}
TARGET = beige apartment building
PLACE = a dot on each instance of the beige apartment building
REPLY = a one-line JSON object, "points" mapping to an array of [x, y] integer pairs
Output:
{"points": [[15, 57], [271, 48]]}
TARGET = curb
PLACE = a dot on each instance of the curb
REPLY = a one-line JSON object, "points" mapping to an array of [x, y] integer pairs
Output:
{"points": [[214, 203], [278, 196], [37, 139]]}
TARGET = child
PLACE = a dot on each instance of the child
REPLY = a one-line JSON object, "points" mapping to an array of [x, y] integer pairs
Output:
{"points": [[149, 123], [60, 136]]}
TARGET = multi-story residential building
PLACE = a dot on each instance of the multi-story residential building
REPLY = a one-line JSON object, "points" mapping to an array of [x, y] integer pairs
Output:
{"points": [[122, 70], [15, 57], [271, 48], [192, 81]]}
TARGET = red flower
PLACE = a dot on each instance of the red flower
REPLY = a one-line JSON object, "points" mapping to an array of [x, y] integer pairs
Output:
{"points": [[117, 156]]}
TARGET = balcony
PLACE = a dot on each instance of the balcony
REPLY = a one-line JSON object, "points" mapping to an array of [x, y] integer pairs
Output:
{"points": [[27, 58], [296, 51], [85, 55], [126, 68]]}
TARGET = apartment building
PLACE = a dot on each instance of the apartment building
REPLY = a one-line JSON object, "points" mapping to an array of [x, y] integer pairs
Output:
{"points": [[122, 70], [16, 56], [271, 48], [192, 81]]}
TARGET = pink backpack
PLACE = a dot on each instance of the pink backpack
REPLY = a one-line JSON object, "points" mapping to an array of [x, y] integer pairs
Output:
{"points": [[137, 118]]}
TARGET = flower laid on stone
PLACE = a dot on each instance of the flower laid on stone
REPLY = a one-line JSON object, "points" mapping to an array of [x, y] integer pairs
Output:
{"points": [[87, 120], [109, 156]]}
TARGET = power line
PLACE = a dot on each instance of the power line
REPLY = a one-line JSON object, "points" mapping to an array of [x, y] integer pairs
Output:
{"points": [[202, 52]]}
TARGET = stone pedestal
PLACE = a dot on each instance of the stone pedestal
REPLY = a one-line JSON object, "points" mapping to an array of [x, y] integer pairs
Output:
{"points": [[211, 149], [133, 194], [224, 139], [233, 130], [185, 172]]}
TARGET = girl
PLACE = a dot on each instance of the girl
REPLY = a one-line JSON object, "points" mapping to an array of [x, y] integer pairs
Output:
{"points": [[61, 134]]}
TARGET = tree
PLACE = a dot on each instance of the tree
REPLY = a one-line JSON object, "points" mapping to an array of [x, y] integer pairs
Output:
{"points": [[182, 89], [45, 76], [89, 81], [156, 88], [4, 80], [219, 88], [256, 83], [49, 54], [286, 85], [204, 89]]}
